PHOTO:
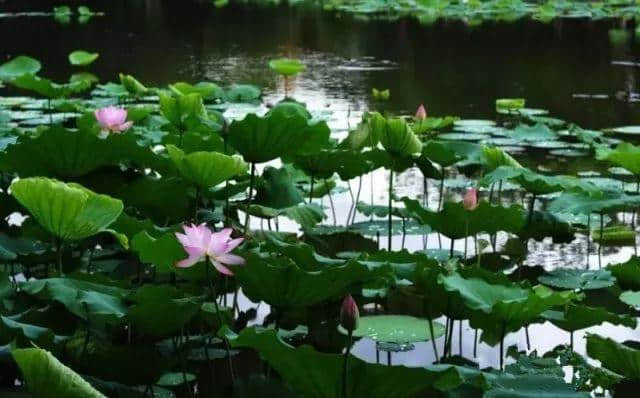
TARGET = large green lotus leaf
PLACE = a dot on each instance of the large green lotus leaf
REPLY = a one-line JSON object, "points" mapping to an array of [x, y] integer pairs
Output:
{"points": [[577, 317], [276, 189], [300, 253], [495, 307], [544, 224], [206, 90], [307, 215], [496, 157], [537, 132], [598, 202], [348, 164], [243, 93], [163, 252], [614, 356], [130, 364], [287, 66], [47, 377], [396, 329], [277, 134], [448, 153], [627, 274], [68, 211], [535, 183], [359, 138], [18, 66], [161, 199], [206, 169], [82, 58], [50, 89], [315, 374], [177, 109], [567, 278], [86, 300], [625, 155], [132, 85], [63, 153], [11, 248], [631, 298], [455, 222], [13, 329], [395, 135], [285, 285], [153, 303]]}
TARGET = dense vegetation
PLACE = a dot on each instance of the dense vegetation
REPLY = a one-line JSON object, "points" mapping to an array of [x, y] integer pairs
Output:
{"points": [[137, 219]]}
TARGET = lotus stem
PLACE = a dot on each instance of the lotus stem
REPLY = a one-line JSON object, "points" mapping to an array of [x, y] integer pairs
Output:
{"points": [[526, 334], [460, 337], [251, 181], [353, 218], [571, 340], [451, 249], [59, 251], [475, 344], [588, 237], [389, 225], [404, 231], [345, 363], [371, 217], [433, 340], [601, 240], [333, 209], [440, 200], [504, 330], [353, 203], [178, 351], [389, 358], [213, 294], [311, 189], [195, 212]]}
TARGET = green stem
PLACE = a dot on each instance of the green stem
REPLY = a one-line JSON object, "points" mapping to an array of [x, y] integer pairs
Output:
{"points": [[504, 330], [195, 212], [311, 190], [389, 225], [345, 363], [433, 340], [333, 208], [59, 251], [251, 181], [214, 295]]}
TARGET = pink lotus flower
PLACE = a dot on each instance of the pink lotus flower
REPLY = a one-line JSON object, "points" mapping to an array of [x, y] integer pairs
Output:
{"points": [[421, 113], [349, 314], [470, 200], [112, 120], [202, 244]]}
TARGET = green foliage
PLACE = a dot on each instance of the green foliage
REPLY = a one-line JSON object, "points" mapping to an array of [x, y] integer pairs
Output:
{"points": [[48, 377], [82, 58], [68, 211]]}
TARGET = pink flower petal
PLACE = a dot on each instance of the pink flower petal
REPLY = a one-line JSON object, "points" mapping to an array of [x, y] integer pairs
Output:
{"points": [[233, 243], [230, 259], [219, 242], [221, 268], [188, 262]]}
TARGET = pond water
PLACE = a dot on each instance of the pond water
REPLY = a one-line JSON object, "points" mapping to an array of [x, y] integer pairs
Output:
{"points": [[581, 71]]}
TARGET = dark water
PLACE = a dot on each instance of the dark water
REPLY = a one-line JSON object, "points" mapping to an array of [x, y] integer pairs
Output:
{"points": [[451, 67]]}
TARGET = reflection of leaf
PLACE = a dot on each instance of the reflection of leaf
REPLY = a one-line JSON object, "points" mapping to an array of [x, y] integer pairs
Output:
{"points": [[576, 317]]}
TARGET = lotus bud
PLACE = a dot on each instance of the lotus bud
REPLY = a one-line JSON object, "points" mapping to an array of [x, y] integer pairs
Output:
{"points": [[421, 113], [349, 315], [470, 200]]}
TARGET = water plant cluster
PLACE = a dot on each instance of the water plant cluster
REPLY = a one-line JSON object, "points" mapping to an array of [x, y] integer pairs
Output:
{"points": [[142, 239]]}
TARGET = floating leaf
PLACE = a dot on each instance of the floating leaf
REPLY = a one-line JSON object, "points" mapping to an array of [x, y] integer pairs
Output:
{"points": [[82, 58], [287, 66], [396, 329], [18, 66]]}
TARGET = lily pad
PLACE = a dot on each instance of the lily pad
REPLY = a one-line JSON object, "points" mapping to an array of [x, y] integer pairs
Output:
{"points": [[396, 329], [564, 278]]}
